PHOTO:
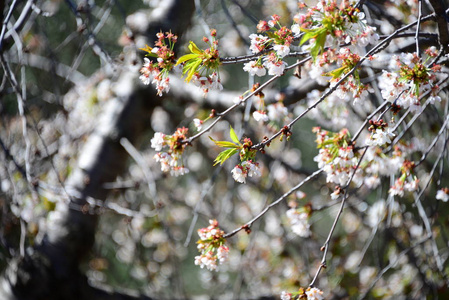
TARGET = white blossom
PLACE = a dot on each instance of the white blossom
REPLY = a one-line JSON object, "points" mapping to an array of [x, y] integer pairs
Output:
{"points": [[257, 42], [281, 50], [238, 174], [198, 123], [260, 116], [381, 137], [286, 296], [215, 82], [165, 159], [157, 142], [314, 294], [296, 29], [442, 195], [275, 68], [252, 169], [254, 69], [222, 254], [179, 171], [411, 186]]}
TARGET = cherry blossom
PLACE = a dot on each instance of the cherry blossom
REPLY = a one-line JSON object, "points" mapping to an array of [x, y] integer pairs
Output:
{"points": [[314, 294], [260, 116], [443, 195], [157, 142], [247, 168], [253, 68], [274, 65], [198, 123], [238, 174], [258, 43], [381, 137], [277, 111], [281, 50], [212, 247], [286, 296], [170, 161]]}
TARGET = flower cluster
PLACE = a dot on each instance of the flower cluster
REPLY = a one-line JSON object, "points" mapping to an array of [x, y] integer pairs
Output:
{"points": [[410, 80], [212, 247], [273, 44], [172, 159], [156, 71], [336, 155], [207, 82], [351, 86], [406, 182], [310, 293], [201, 66], [333, 23], [248, 167], [245, 169], [376, 164], [380, 133]]}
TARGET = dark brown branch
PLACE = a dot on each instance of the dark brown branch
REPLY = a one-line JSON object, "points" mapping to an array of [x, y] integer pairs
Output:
{"points": [[442, 19]]}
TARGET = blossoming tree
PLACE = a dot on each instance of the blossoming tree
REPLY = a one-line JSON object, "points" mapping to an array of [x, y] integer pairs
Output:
{"points": [[311, 162]]}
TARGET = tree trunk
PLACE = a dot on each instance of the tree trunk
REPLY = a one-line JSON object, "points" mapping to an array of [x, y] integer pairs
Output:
{"points": [[50, 270]]}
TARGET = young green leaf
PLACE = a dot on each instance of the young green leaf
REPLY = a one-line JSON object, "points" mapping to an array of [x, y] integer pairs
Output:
{"points": [[309, 34], [192, 69], [224, 155], [225, 144], [234, 136], [186, 58], [336, 73], [194, 49]]}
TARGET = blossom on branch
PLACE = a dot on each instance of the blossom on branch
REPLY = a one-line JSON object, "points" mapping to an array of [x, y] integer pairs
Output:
{"points": [[156, 70], [410, 80], [443, 195], [171, 161], [260, 116], [211, 246], [254, 68], [314, 294]]}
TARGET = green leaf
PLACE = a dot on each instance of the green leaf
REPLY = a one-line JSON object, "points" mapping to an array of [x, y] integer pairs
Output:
{"points": [[186, 58], [309, 34], [148, 50], [224, 155], [336, 73], [194, 49], [319, 34], [234, 136], [319, 44], [225, 144], [192, 69]]}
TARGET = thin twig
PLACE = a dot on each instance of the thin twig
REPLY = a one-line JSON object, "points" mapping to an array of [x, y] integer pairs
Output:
{"points": [[279, 200], [417, 26], [325, 247]]}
